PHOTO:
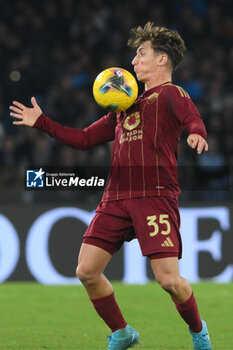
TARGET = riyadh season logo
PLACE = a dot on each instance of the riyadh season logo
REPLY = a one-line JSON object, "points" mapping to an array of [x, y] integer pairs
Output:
{"points": [[35, 178]]}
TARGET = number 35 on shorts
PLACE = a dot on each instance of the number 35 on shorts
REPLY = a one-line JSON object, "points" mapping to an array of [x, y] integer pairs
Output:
{"points": [[156, 222]]}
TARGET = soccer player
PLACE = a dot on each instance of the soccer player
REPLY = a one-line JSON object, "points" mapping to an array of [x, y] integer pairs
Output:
{"points": [[140, 198]]}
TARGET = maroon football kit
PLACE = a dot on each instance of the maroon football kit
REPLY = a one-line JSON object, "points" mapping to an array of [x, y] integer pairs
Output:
{"points": [[140, 197]]}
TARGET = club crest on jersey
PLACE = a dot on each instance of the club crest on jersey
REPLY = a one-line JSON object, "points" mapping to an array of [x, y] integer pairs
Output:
{"points": [[152, 97], [132, 121]]}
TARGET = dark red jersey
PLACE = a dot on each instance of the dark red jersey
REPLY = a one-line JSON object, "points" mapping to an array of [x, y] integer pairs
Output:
{"points": [[146, 136]]}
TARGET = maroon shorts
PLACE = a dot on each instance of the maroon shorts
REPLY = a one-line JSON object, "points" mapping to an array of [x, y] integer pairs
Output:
{"points": [[154, 221]]}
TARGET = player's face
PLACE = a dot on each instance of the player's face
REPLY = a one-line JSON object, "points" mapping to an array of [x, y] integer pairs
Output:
{"points": [[145, 62]]}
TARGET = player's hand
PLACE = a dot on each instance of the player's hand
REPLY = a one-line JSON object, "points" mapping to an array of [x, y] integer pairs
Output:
{"points": [[198, 142], [26, 116]]}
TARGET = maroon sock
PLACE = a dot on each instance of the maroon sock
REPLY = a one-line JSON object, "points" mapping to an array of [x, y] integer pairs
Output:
{"points": [[109, 311], [190, 314]]}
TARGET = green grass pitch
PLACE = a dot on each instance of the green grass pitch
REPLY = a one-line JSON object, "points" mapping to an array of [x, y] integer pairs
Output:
{"points": [[34, 316]]}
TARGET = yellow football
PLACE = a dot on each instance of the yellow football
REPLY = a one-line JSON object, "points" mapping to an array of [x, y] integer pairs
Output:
{"points": [[115, 89]]}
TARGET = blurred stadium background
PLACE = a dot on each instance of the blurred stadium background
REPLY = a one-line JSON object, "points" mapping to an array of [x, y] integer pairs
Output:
{"points": [[54, 49]]}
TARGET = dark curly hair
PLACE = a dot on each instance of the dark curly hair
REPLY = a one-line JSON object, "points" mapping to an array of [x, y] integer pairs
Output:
{"points": [[162, 40]]}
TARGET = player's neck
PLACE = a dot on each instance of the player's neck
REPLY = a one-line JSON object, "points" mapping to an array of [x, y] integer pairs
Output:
{"points": [[158, 79]]}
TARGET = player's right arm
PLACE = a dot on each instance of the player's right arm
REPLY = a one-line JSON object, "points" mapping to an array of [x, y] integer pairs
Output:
{"points": [[100, 132]]}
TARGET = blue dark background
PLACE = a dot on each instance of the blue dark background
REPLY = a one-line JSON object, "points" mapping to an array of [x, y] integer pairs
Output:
{"points": [[54, 49]]}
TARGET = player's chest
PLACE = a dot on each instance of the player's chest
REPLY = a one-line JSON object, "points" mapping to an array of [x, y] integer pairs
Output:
{"points": [[140, 123]]}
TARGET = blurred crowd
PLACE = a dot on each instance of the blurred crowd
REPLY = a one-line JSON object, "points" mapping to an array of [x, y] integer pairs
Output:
{"points": [[54, 49]]}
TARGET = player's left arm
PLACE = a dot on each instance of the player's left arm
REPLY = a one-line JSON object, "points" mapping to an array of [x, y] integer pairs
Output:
{"points": [[189, 117], [196, 128]]}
